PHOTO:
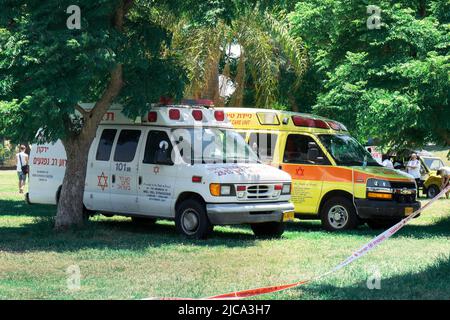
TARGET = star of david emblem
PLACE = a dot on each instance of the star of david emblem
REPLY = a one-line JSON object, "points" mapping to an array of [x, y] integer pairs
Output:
{"points": [[300, 171], [155, 170], [102, 181]]}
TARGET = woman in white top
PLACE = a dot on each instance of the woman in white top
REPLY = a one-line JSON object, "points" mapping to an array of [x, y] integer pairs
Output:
{"points": [[413, 168], [21, 161]]}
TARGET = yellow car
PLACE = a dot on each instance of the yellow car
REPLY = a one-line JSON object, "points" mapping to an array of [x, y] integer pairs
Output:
{"points": [[333, 177], [432, 182]]}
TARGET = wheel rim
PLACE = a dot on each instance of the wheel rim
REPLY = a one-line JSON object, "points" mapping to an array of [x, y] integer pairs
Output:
{"points": [[189, 221], [337, 216], [432, 192]]}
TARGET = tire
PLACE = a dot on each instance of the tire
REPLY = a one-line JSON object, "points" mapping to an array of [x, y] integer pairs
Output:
{"points": [[377, 224], [143, 221], [342, 208], [268, 229], [432, 191], [192, 221]]}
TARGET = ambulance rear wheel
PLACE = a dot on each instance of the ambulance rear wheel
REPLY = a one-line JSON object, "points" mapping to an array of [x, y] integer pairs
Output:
{"points": [[339, 213], [192, 221], [268, 229]]}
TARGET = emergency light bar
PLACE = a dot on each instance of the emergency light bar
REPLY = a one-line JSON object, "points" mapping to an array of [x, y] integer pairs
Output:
{"points": [[309, 122]]}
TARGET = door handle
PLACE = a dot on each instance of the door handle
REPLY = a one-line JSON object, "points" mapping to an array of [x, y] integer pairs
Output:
{"points": [[140, 180], [113, 178]]}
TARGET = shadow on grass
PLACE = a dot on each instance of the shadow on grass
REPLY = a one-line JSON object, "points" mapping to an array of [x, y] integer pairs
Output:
{"points": [[99, 233], [21, 208], [431, 282], [440, 228]]}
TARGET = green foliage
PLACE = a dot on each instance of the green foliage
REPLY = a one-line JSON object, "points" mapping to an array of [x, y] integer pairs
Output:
{"points": [[391, 83], [46, 69], [5, 153]]}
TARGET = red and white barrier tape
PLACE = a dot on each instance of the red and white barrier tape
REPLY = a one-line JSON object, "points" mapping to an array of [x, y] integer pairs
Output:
{"points": [[355, 256]]}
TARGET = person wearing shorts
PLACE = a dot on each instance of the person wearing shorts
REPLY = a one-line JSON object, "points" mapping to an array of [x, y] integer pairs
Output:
{"points": [[21, 160]]}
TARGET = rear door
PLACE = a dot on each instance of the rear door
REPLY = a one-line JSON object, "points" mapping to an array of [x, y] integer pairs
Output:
{"points": [[97, 195], [124, 171]]}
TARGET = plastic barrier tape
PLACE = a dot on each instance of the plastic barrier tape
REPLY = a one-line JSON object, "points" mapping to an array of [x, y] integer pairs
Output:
{"points": [[355, 256]]}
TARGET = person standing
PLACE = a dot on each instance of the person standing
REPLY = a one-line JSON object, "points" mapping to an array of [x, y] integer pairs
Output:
{"points": [[413, 168], [445, 175], [22, 167]]}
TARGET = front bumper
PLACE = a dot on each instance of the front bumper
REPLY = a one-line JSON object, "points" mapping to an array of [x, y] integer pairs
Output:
{"points": [[369, 209], [240, 213]]}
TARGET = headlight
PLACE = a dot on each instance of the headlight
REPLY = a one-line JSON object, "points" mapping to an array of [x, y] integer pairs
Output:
{"points": [[218, 189], [225, 190], [378, 183], [286, 188], [379, 189]]}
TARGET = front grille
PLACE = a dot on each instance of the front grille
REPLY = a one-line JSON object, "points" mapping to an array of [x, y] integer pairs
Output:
{"points": [[399, 187], [258, 192]]}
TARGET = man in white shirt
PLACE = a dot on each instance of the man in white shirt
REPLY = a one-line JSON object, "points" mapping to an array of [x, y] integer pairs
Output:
{"points": [[387, 162], [22, 163], [413, 168]]}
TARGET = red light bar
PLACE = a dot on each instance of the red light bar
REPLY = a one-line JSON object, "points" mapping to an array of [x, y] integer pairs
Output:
{"points": [[174, 114], [196, 179], [219, 115], [152, 116], [197, 114], [241, 188], [334, 125], [278, 187], [165, 100], [309, 122]]}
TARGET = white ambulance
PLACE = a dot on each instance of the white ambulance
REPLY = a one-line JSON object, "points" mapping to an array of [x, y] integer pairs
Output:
{"points": [[179, 162]]}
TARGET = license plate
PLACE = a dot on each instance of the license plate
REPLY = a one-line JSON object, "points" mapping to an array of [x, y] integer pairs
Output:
{"points": [[409, 210], [288, 216]]}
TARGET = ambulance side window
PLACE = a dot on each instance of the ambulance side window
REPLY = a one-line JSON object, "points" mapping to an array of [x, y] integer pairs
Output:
{"points": [[158, 144], [296, 150], [105, 145], [263, 144], [127, 145]]}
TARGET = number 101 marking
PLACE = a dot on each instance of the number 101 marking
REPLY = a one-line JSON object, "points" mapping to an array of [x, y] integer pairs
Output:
{"points": [[122, 167]]}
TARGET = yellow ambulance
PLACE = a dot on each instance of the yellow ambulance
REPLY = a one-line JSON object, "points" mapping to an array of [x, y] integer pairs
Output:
{"points": [[334, 178]]}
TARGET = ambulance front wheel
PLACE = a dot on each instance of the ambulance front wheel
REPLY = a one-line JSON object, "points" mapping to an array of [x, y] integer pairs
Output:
{"points": [[339, 213], [192, 221], [268, 229]]}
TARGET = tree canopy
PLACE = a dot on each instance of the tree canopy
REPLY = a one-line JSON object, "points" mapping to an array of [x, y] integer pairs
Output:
{"points": [[391, 82]]}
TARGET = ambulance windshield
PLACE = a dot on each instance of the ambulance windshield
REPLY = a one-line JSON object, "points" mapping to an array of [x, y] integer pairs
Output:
{"points": [[346, 151], [213, 145]]}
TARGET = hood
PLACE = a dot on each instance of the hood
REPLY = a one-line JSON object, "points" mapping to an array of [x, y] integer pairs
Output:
{"points": [[245, 173], [384, 173]]}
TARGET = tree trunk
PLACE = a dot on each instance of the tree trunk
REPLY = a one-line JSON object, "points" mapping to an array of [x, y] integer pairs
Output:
{"points": [[70, 204]]}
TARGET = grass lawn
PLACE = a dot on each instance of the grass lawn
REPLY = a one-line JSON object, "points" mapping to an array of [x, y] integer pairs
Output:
{"points": [[119, 260]]}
